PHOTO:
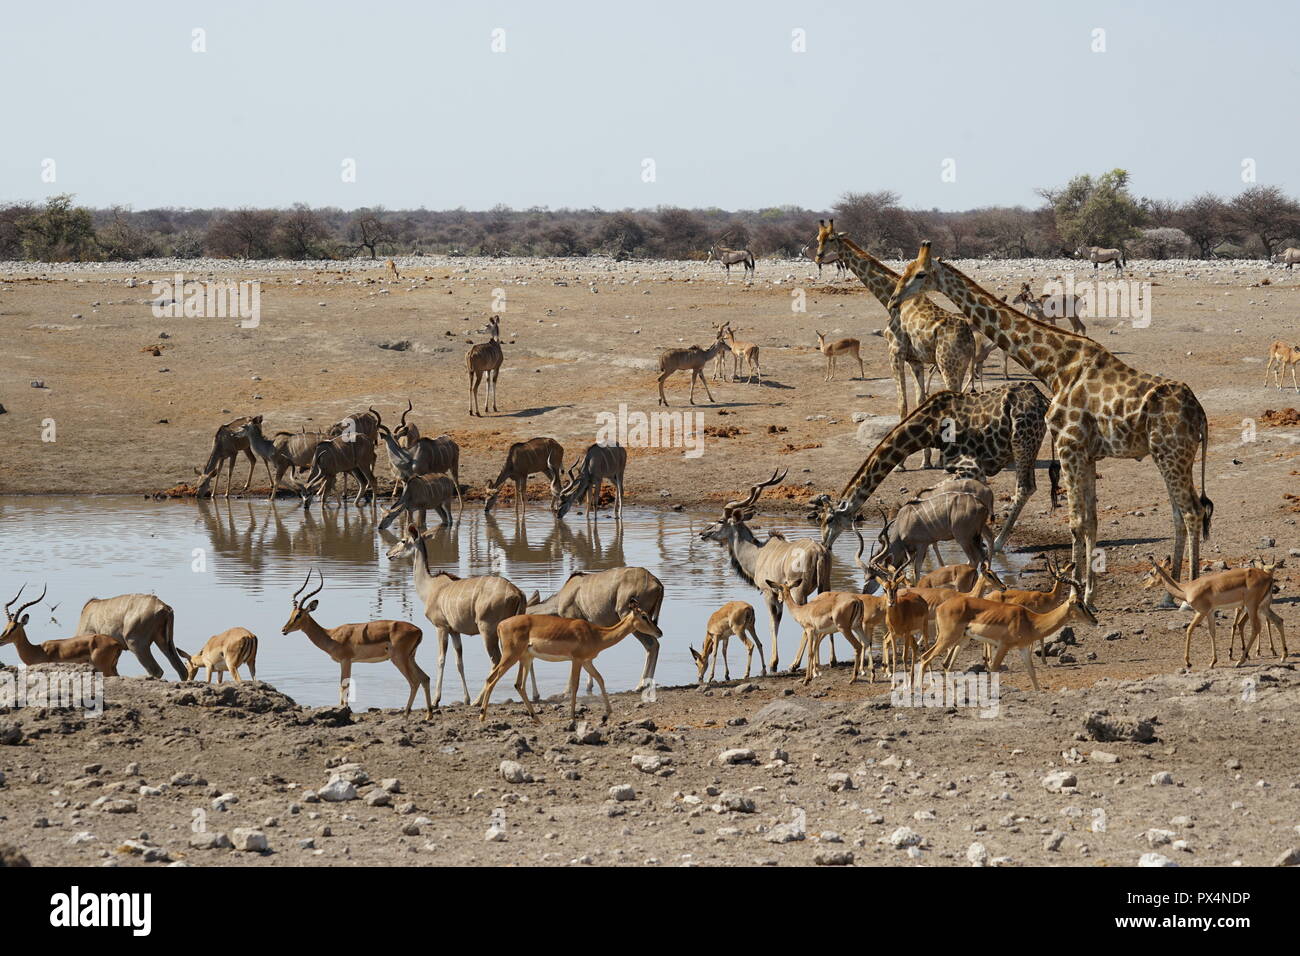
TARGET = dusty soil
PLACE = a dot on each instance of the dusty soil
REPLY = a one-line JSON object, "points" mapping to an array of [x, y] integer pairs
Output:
{"points": [[138, 784], [581, 338]]}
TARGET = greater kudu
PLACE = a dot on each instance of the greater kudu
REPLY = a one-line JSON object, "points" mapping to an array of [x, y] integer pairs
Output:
{"points": [[600, 463]]}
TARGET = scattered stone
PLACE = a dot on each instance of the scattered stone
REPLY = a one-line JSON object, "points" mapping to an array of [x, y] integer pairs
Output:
{"points": [[1105, 728], [211, 840], [622, 793], [336, 791], [736, 756], [904, 837], [833, 858], [514, 772], [1060, 780], [249, 840], [1155, 859], [977, 855], [1162, 778]]}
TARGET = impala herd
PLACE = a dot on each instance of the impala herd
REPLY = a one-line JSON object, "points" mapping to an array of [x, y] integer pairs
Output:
{"points": [[916, 618]]}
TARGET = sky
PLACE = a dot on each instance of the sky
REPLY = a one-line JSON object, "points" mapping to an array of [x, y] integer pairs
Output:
{"points": [[736, 105]]}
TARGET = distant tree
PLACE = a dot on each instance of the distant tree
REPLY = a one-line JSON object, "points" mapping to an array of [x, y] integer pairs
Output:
{"points": [[187, 244], [876, 222], [11, 233], [368, 230], [1095, 212], [621, 233], [60, 232], [301, 234], [681, 233], [243, 234], [1162, 243], [1267, 214], [1205, 221], [120, 238]]}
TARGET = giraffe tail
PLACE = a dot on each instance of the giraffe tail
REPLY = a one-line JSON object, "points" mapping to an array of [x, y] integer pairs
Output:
{"points": [[1207, 506]]}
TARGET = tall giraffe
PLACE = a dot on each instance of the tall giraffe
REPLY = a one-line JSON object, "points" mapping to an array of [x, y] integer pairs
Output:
{"points": [[1101, 408], [919, 333], [995, 429]]}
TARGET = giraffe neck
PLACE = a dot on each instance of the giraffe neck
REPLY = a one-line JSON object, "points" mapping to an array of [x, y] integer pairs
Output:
{"points": [[1042, 349], [874, 274], [916, 432]]}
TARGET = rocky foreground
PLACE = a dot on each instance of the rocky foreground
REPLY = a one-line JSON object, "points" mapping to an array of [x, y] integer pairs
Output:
{"points": [[1180, 769]]}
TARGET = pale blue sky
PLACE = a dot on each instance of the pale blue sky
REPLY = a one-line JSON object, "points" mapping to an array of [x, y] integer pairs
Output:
{"points": [[711, 91]]}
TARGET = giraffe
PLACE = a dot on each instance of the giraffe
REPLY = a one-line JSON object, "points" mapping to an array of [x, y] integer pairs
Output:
{"points": [[919, 333], [993, 429], [1101, 408]]}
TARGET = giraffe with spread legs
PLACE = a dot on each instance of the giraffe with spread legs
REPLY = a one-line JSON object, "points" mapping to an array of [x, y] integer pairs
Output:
{"points": [[1101, 408], [990, 430], [919, 332]]}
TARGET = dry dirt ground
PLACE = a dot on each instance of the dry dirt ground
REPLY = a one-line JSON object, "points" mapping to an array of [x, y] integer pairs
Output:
{"points": [[581, 338]]}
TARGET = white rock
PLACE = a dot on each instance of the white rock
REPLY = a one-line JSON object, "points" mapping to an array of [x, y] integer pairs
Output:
{"points": [[337, 791], [904, 836], [977, 855], [1155, 859], [249, 840]]}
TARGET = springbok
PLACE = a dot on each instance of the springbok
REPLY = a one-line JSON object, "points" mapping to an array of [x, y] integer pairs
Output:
{"points": [[1004, 627], [422, 493], [227, 444], [1097, 255], [371, 642], [827, 613], [342, 455], [732, 257], [1280, 356], [693, 359], [603, 597], [1250, 590], [100, 651], [804, 564], [546, 637], [1049, 308], [537, 455], [743, 354], [585, 478], [287, 450], [848, 346], [733, 619], [484, 361], [423, 456], [456, 606], [227, 651], [139, 620], [1290, 256]]}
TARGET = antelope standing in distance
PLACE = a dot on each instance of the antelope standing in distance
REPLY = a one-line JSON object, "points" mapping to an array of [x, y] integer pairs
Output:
{"points": [[693, 359], [1290, 256], [421, 456], [600, 463], [733, 619], [391, 266], [804, 565], [529, 637], [829, 259], [1003, 627], [846, 346], [1049, 308], [421, 494], [457, 606], [227, 651], [483, 361], [1280, 356], [289, 451], [341, 456], [371, 642], [100, 651], [1100, 408], [1097, 255], [732, 257], [537, 455], [743, 354], [1249, 590], [141, 621], [603, 597], [227, 445]]}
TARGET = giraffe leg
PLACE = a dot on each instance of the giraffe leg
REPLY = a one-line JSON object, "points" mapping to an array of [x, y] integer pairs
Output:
{"points": [[1077, 471], [1025, 443]]}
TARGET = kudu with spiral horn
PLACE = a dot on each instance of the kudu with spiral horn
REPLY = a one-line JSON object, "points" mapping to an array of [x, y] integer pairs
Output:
{"points": [[802, 565]]}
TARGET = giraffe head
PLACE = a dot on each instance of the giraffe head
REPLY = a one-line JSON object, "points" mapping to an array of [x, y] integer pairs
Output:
{"points": [[916, 279], [827, 236]]}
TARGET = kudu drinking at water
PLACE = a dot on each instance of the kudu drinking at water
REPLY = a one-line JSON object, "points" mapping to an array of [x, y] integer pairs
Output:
{"points": [[803, 565], [584, 479], [422, 456], [544, 455], [227, 445], [288, 451]]}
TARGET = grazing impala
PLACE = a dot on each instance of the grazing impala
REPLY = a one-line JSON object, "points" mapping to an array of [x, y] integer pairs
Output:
{"points": [[733, 619], [227, 651], [370, 642], [101, 651], [545, 637]]}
